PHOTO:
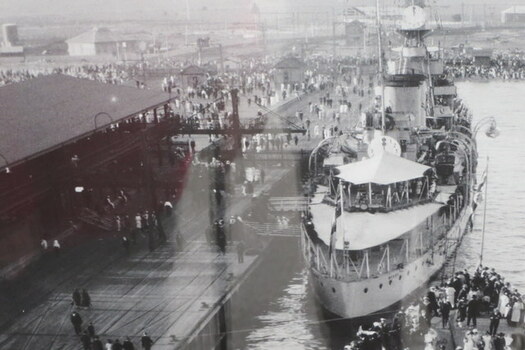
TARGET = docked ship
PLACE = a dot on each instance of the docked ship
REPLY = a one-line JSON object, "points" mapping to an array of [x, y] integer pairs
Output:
{"points": [[390, 201]]}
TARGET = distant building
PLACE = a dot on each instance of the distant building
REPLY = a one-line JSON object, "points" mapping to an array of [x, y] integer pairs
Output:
{"points": [[10, 42], [289, 70], [9, 35], [482, 57], [354, 33], [102, 41], [193, 76], [513, 15]]}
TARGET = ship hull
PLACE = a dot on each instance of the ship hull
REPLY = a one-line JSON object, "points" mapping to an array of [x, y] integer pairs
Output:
{"points": [[354, 299]]}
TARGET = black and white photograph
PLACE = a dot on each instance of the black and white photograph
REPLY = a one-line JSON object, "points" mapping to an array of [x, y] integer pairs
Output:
{"points": [[262, 174]]}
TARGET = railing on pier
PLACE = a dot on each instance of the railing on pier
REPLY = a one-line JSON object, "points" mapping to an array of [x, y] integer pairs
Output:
{"points": [[294, 204], [274, 229]]}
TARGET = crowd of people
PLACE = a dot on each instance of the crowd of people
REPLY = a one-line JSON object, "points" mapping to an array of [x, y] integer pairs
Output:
{"points": [[504, 66], [484, 293], [90, 340]]}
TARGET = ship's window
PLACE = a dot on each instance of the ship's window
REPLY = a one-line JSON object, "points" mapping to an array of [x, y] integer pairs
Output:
{"points": [[366, 290], [333, 289], [380, 285], [390, 282]]}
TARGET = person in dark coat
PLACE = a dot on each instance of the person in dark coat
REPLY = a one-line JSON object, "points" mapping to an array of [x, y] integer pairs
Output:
{"points": [[146, 341], [495, 316], [128, 345], [116, 345], [125, 244], [472, 311], [77, 297], [86, 299], [76, 320], [444, 308], [91, 329], [499, 342], [85, 340], [240, 252], [97, 344]]}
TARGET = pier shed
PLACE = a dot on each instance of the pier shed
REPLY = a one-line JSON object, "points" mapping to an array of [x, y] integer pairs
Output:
{"points": [[193, 76], [289, 70]]}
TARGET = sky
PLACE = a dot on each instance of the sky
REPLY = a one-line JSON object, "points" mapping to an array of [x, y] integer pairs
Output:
{"points": [[122, 9]]}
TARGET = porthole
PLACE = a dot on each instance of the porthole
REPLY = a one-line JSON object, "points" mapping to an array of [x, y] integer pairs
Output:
{"points": [[333, 289], [390, 282], [380, 285], [366, 290]]}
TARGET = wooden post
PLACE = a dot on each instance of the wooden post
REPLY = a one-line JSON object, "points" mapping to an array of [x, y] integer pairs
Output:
{"points": [[155, 116]]}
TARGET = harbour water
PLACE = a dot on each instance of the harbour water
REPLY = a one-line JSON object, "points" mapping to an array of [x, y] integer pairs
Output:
{"points": [[293, 320]]}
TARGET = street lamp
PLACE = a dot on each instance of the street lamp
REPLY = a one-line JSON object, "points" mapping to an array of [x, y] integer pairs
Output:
{"points": [[492, 131]]}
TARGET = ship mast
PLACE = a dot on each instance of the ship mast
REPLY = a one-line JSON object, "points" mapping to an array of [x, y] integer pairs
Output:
{"points": [[381, 69]]}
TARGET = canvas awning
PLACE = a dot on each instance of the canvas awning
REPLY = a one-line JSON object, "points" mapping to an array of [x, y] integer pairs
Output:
{"points": [[382, 169], [365, 230]]}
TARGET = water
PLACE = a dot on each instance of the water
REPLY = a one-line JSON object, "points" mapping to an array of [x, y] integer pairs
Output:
{"points": [[293, 319]]}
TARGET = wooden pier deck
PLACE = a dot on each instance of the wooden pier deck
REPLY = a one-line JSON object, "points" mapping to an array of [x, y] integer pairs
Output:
{"points": [[166, 292]]}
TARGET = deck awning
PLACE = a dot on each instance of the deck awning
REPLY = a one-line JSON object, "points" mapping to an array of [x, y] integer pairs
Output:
{"points": [[365, 230], [382, 169]]}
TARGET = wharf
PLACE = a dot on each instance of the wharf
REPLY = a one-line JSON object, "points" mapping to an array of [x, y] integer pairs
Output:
{"points": [[454, 335], [167, 292], [174, 294]]}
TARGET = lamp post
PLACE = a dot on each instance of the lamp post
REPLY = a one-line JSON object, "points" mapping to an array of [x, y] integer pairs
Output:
{"points": [[491, 132]]}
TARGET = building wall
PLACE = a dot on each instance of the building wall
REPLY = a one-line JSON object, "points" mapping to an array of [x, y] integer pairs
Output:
{"points": [[288, 76], [192, 80], [10, 34], [513, 18], [354, 35], [81, 49]]}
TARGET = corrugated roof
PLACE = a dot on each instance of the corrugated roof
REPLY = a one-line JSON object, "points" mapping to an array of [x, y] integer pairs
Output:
{"points": [[42, 113]]}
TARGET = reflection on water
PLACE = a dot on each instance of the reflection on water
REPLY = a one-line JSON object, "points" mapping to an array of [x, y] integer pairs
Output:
{"points": [[293, 320], [286, 324]]}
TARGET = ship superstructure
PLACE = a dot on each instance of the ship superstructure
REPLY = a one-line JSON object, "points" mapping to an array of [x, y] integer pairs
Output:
{"points": [[386, 216]]}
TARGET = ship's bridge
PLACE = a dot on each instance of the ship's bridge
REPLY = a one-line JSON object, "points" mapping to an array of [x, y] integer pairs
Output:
{"points": [[383, 183]]}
